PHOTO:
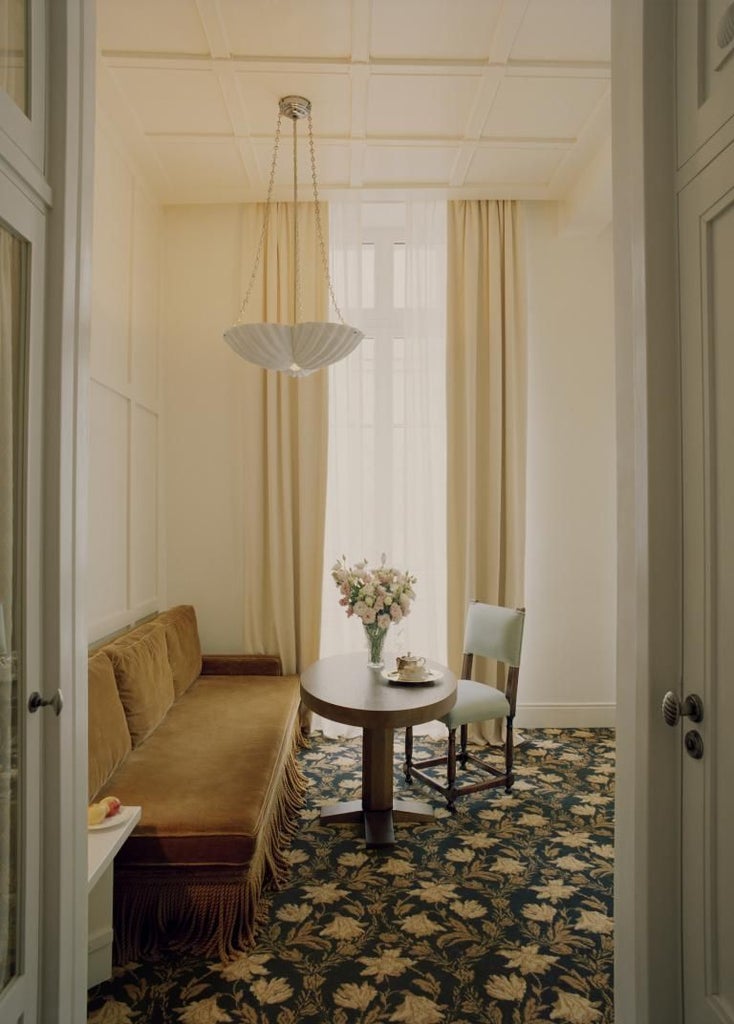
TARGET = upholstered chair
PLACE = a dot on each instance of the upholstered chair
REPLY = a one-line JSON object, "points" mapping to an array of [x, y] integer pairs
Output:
{"points": [[492, 632]]}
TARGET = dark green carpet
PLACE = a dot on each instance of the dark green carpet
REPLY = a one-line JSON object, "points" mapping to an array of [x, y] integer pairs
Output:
{"points": [[501, 913]]}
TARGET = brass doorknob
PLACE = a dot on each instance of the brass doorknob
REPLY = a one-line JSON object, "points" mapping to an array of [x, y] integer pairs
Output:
{"points": [[673, 710]]}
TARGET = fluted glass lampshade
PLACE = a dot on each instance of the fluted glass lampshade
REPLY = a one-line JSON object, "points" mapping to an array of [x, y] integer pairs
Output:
{"points": [[299, 348]]}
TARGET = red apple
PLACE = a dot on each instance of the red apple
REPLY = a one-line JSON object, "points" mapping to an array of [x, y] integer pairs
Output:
{"points": [[112, 804]]}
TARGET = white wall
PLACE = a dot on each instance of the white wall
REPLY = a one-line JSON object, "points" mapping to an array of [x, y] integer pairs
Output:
{"points": [[568, 658], [205, 420], [569, 654], [568, 671], [124, 579]]}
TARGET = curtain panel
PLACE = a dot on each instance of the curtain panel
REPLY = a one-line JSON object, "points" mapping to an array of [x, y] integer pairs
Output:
{"points": [[387, 439], [285, 448], [486, 420]]}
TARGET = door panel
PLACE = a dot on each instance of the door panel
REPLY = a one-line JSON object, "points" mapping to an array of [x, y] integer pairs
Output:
{"points": [[705, 38], [22, 82], [706, 209], [21, 254], [14, 51]]}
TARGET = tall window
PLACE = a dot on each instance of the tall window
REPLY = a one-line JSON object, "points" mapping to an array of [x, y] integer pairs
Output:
{"points": [[387, 438]]}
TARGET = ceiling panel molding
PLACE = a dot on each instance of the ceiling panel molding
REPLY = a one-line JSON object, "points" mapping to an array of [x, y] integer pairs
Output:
{"points": [[361, 31], [508, 25], [122, 124], [592, 137], [437, 96], [213, 25], [559, 69]]}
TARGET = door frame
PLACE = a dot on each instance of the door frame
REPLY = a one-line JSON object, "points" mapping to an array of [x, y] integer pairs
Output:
{"points": [[647, 911], [69, 172], [648, 975]]}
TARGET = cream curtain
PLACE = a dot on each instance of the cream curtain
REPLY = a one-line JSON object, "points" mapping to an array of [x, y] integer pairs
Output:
{"points": [[387, 445], [285, 449], [486, 420]]}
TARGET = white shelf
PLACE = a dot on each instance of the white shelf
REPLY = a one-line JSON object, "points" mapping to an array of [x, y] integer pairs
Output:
{"points": [[102, 845]]}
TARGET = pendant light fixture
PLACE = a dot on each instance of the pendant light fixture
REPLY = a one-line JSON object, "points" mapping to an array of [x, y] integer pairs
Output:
{"points": [[298, 348]]}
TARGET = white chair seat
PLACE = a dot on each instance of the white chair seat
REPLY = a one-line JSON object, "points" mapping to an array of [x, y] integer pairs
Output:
{"points": [[474, 703]]}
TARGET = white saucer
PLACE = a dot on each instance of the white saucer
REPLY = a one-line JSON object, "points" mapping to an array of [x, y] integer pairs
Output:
{"points": [[429, 676], [116, 819]]}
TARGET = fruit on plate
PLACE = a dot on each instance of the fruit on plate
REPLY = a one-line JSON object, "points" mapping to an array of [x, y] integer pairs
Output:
{"points": [[96, 813], [106, 808], [112, 804]]}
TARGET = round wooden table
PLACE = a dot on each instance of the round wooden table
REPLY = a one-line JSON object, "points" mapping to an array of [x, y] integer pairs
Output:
{"points": [[344, 689]]}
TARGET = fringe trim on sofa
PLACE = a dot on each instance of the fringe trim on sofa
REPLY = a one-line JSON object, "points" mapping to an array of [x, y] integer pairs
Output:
{"points": [[212, 912]]}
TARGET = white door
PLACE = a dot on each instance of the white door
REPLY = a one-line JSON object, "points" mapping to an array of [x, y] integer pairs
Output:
{"points": [[22, 255], [45, 185], [706, 254], [705, 160], [21, 290]]}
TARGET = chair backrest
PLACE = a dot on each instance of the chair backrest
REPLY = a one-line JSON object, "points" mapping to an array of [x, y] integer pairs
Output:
{"points": [[494, 632]]}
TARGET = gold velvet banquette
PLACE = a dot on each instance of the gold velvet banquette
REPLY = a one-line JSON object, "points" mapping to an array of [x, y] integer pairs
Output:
{"points": [[206, 745]]}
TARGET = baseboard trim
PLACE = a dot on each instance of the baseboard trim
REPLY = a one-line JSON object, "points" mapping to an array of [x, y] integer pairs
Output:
{"points": [[565, 716]]}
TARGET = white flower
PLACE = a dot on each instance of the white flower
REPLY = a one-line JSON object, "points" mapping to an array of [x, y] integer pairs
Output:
{"points": [[383, 591]]}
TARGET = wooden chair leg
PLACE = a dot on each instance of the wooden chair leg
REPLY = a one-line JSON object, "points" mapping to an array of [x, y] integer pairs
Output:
{"points": [[451, 771], [408, 753], [509, 749], [464, 743]]}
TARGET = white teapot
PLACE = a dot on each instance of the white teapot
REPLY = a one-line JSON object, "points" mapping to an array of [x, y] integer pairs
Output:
{"points": [[410, 665]]}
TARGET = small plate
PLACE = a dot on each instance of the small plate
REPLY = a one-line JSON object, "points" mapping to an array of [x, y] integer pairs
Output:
{"points": [[117, 819], [429, 676]]}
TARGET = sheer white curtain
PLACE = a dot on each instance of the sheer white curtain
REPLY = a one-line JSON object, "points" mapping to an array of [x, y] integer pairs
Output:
{"points": [[386, 489]]}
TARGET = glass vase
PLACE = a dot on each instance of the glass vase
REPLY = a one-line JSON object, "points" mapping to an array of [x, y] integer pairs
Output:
{"points": [[375, 642]]}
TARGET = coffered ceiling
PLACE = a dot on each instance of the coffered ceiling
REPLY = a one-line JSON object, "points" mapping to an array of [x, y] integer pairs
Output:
{"points": [[454, 98]]}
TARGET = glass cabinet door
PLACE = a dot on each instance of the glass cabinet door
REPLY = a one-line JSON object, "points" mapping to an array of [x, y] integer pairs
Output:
{"points": [[12, 407], [14, 51], [23, 86]]}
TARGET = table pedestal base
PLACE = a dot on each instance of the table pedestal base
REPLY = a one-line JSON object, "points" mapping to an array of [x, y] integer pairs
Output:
{"points": [[378, 825]]}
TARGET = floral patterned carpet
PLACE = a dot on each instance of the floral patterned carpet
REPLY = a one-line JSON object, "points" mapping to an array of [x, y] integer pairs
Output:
{"points": [[501, 913]]}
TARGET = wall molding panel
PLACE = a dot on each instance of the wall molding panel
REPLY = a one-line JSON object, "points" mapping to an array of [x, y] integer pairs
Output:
{"points": [[125, 551]]}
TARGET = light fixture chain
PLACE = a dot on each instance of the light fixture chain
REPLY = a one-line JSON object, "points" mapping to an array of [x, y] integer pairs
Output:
{"points": [[296, 238], [266, 218], [319, 229]]}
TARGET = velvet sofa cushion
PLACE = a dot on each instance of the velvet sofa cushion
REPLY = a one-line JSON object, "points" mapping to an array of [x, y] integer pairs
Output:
{"points": [[144, 678], [109, 736], [184, 646], [209, 775]]}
